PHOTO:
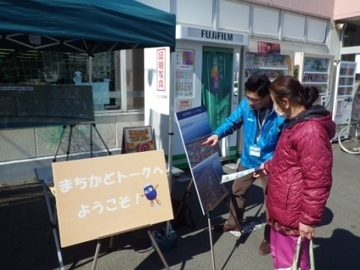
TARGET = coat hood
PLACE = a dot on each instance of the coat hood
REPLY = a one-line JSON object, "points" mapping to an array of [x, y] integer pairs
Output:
{"points": [[317, 113]]}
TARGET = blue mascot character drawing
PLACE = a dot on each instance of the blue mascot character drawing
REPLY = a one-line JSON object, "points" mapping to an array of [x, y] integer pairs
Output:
{"points": [[151, 194]]}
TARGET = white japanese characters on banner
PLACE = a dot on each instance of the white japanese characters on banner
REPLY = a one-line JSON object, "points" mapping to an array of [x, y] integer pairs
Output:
{"points": [[98, 197]]}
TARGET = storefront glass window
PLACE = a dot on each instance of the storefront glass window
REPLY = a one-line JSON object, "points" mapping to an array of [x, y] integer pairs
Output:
{"points": [[351, 36], [49, 67], [134, 79]]}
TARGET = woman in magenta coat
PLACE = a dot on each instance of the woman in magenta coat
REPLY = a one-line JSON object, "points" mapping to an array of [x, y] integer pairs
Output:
{"points": [[300, 171]]}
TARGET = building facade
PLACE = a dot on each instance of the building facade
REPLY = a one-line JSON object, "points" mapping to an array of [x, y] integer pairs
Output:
{"points": [[222, 37], [292, 26]]}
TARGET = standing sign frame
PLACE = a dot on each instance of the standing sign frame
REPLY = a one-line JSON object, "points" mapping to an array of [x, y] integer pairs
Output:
{"points": [[129, 176], [204, 162]]}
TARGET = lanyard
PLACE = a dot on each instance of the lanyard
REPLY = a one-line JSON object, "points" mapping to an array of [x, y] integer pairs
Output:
{"points": [[260, 125]]}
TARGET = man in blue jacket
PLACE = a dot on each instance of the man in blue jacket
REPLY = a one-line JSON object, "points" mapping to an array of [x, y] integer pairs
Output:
{"points": [[261, 129]]}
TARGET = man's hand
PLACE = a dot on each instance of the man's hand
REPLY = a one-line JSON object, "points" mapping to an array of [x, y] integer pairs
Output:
{"points": [[212, 140], [306, 231]]}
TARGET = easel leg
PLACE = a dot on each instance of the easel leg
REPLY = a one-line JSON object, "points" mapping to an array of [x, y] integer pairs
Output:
{"points": [[97, 251], [211, 242], [61, 136], [187, 192], [53, 226], [91, 141], [101, 138], [111, 242], [56, 239], [69, 142], [158, 250]]}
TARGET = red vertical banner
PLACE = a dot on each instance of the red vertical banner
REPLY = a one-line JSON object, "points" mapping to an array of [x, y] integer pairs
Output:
{"points": [[160, 69]]}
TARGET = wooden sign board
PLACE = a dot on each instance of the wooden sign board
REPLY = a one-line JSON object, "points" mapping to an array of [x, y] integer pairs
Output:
{"points": [[137, 139], [99, 197]]}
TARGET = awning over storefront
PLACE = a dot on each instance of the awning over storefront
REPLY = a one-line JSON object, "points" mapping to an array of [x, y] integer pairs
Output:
{"points": [[84, 25]]}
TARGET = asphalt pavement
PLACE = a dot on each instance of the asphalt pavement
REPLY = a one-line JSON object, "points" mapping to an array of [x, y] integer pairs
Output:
{"points": [[26, 240]]}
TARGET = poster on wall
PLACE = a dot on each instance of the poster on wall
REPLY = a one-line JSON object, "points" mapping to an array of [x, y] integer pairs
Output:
{"points": [[109, 195], [268, 47], [137, 139], [204, 161], [182, 104], [217, 80], [184, 73]]}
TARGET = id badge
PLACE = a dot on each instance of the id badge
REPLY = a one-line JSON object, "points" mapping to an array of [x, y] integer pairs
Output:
{"points": [[254, 151]]}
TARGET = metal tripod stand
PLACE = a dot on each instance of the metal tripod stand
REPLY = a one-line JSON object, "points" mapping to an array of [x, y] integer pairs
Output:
{"points": [[92, 126]]}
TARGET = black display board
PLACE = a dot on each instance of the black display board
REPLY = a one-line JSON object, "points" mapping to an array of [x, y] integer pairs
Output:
{"points": [[45, 105]]}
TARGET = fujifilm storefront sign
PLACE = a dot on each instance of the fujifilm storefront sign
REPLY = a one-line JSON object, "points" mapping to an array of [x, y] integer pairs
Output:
{"points": [[206, 35]]}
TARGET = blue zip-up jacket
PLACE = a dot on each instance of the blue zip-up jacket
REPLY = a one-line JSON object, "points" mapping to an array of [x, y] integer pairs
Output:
{"points": [[245, 116]]}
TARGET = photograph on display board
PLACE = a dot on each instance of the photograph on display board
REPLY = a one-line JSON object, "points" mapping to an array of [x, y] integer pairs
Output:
{"points": [[137, 139], [204, 161]]}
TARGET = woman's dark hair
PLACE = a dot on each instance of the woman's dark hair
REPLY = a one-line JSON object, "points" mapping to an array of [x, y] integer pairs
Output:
{"points": [[290, 88], [258, 84]]}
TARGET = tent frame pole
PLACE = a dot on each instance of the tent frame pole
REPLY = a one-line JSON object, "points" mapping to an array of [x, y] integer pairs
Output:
{"points": [[171, 130]]}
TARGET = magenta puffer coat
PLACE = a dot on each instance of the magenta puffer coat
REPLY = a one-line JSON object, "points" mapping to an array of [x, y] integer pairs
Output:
{"points": [[300, 175]]}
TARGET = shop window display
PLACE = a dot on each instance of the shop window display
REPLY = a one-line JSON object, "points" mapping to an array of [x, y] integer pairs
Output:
{"points": [[351, 36], [28, 67]]}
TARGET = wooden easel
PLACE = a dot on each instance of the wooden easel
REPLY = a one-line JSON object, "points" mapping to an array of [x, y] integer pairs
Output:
{"points": [[111, 240]]}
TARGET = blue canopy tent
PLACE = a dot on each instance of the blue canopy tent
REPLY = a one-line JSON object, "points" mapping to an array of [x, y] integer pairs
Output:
{"points": [[87, 26]]}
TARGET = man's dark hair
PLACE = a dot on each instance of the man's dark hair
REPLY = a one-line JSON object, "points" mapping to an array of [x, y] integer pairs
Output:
{"points": [[258, 84]]}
